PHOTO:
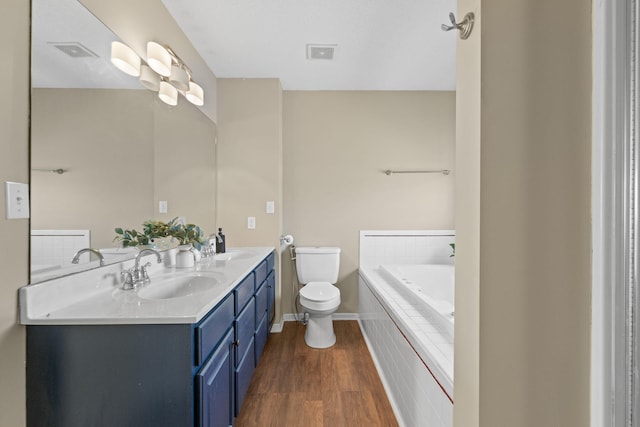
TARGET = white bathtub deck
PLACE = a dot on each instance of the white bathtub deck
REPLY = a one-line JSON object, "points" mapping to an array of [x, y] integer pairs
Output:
{"points": [[433, 345]]}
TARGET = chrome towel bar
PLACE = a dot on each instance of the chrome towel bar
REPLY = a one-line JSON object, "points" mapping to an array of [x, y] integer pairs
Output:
{"points": [[442, 171]]}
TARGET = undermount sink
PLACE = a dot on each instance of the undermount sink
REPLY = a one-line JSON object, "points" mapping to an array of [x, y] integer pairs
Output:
{"points": [[233, 254], [177, 287]]}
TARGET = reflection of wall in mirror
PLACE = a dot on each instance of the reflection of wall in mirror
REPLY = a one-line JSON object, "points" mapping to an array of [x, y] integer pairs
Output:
{"points": [[123, 151]]}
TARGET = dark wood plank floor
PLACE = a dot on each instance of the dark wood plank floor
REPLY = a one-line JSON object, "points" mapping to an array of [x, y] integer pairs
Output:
{"points": [[295, 385]]}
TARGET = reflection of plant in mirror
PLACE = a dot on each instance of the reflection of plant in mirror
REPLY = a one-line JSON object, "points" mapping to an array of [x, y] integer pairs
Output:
{"points": [[152, 229], [189, 233], [453, 249]]}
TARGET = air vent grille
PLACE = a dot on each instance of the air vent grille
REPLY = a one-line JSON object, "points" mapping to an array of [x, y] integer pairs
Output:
{"points": [[74, 49], [321, 51]]}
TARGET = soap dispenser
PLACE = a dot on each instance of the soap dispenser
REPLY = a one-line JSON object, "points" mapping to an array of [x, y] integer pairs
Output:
{"points": [[220, 242]]}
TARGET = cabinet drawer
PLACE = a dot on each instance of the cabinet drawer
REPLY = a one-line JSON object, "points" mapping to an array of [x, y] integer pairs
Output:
{"points": [[271, 297], [244, 291], [245, 327], [271, 261], [210, 330], [214, 387], [261, 303], [244, 372], [262, 333], [261, 273]]}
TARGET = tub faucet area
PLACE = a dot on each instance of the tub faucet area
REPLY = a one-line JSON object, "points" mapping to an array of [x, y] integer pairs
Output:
{"points": [[76, 257]]}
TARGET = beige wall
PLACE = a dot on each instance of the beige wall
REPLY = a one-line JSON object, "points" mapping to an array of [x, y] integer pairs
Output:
{"points": [[112, 140], [104, 139], [467, 219], [14, 166], [250, 162], [336, 147], [534, 231], [184, 166]]}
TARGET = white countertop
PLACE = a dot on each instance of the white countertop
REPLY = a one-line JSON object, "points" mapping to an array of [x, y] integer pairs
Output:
{"points": [[95, 296]]}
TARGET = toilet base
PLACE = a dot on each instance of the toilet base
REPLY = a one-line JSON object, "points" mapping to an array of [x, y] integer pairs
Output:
{"points": [[319, 332]]}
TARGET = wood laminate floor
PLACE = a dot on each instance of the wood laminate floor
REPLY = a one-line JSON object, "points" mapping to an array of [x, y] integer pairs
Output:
{"points": [[295, 385]]}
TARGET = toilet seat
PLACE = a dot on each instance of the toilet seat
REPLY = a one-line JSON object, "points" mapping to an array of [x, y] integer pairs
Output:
{"points": [[319, 296]]}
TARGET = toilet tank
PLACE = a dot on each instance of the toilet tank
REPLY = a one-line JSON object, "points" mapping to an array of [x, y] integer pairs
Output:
{"points": [[317, 264]]}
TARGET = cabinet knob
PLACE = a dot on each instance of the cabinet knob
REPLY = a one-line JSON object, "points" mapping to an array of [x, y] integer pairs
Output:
{"points": [[236, 343]]}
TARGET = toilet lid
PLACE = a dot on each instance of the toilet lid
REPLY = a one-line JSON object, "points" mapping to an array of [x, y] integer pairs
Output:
{"points": [[319, 291]]}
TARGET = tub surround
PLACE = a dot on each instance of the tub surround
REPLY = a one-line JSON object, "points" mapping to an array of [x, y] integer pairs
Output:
{"points": [[96, 297], [433, 344], [410, 342]]}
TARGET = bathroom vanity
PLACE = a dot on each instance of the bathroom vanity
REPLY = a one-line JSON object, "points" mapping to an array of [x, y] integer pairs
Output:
{"points": [[162, 356]]}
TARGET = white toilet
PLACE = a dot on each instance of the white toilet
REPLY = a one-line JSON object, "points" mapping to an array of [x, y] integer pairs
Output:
{"points": [[317, 269]]}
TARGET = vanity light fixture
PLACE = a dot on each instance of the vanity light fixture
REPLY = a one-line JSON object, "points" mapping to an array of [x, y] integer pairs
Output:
{"points": [[179, 77], [149, 78], [195, 94], [125, 59], [159, 59], [168, 93]]}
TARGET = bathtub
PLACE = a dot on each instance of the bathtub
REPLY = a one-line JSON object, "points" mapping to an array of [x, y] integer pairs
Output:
{"points": [[407, 318], [432, 284]]}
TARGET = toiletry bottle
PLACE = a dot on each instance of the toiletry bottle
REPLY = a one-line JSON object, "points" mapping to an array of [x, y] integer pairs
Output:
{"points": [[220, 242]]}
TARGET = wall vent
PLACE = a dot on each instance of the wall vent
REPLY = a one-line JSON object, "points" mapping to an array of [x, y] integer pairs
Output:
{"points": [[74, 49], [321, 51]]}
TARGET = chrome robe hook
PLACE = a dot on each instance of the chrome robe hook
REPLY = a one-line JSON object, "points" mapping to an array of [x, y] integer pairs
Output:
{"points": [[465, 26]]}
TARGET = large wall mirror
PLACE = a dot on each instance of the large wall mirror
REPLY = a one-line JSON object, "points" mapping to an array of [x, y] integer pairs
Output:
{"points": [[104, 150]]}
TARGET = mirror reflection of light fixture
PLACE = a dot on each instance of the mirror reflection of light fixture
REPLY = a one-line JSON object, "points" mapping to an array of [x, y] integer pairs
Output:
{"points": [[159, 59], [149, 78], [163, 72], [179, 77], [125, 59], [168, 93], [195, 94]]}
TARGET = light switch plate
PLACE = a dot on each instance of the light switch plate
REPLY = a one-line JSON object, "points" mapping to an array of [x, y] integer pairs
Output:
{"points": [[271, 207], [251, 222], [17, 200], [163, 206]]}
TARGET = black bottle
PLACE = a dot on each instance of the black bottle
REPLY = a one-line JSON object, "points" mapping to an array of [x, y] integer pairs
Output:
{"points": [[220, 243]]}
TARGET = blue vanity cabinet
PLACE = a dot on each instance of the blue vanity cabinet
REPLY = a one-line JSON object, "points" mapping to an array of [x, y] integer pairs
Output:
{"points": [[150, 375]]}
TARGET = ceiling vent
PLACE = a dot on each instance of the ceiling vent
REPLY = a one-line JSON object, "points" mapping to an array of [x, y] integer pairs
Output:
{"points": [[74, 49], [321, 51]]}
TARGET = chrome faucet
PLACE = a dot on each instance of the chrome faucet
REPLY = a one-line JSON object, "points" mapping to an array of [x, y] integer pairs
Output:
{"points": [[76, 257], [138, 274]]}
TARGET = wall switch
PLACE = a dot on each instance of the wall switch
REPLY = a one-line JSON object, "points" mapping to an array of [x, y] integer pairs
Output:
{"points": [[162, 206], [251, 222], [17, 200], [271, 207]]}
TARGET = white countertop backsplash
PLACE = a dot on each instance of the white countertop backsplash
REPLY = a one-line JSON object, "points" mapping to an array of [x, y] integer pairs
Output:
{"points": [[95, 296]]}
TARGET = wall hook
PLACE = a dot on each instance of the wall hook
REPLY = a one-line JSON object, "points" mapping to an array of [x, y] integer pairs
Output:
{"points": [[465, 26]]}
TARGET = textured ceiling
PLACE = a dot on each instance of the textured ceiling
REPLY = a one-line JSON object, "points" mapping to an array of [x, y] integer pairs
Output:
{"points": [[67, 21], [381, 44]]}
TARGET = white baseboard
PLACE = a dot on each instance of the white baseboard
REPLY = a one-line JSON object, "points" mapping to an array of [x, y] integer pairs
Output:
{"points": [[276, 328], [290, 317]]}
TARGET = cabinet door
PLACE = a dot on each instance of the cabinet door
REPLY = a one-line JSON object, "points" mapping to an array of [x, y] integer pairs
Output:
{"points": [[244, 372], [214, 387]]}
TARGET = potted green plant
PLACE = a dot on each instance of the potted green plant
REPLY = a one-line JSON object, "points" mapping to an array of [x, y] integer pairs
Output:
{"points": [[153, 230]]}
